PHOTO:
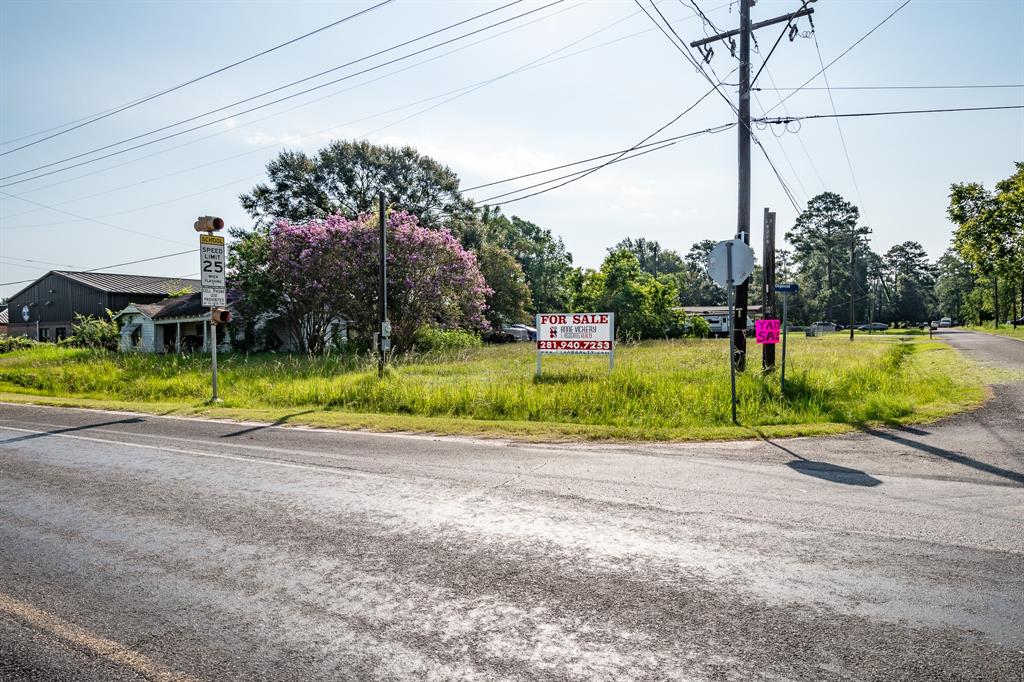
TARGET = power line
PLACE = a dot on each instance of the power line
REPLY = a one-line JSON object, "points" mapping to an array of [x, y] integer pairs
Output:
{"points": [[778, 40], [839, 127], [861, 114], [93, 220], [115, 265], [624, 155], [841, 55], [898, 87], [111, 112], [272, 102], [619, 156]]}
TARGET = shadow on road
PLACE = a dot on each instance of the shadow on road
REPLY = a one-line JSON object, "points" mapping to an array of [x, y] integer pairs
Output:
{"points": [[259, 427], [825, 471], [949, 455], [84, 427]]}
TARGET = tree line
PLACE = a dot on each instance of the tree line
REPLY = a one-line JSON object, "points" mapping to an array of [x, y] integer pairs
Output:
{"points": [[310, 256]]}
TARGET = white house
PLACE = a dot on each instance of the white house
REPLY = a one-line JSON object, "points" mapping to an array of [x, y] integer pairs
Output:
{"points": [[176, 324]]}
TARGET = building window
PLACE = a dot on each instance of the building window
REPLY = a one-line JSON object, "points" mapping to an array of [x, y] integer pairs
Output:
{"points": [[44, 334], [60, 334]]}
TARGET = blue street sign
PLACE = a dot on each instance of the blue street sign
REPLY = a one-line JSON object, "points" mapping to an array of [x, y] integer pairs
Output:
{"points": [[787, 288]]}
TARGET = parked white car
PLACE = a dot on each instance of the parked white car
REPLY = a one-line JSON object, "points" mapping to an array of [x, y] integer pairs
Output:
{"points": [[946, 322], [520, 332]]}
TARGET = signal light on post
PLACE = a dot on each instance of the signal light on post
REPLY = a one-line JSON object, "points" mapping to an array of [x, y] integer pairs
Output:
{"points": [[220, 315], [208, 223]]}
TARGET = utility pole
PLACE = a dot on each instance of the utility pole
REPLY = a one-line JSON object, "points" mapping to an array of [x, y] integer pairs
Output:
{"points": [[853, 278], [383, 324], [739, 320], [768, 289]]}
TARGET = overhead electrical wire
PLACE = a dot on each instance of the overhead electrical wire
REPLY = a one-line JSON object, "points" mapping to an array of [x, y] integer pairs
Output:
{"points": [[841, 54], [862, 114], [116, 265], [464, 89], [839, 127], [272, 102], [81, 123], [898, 87]]}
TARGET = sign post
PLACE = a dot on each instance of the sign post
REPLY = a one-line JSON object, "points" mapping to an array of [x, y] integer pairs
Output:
{"points": [[731, 262], [212, 269], [576, 334], [785, 290]]}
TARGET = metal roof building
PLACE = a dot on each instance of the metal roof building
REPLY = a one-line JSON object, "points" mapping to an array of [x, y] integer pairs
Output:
{"points": [[45, 309]]}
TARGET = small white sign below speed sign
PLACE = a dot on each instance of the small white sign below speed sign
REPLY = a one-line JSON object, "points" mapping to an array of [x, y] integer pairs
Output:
{"points": [[212, 269]]}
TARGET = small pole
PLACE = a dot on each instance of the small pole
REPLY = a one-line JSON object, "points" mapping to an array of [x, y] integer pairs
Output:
{"points": [[732, 323], [853, 281], [213, 356], [611, 335], [785, 307], [768, 298], [536, 325]]}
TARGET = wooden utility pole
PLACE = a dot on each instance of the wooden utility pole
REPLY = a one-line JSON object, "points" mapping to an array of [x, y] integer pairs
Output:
{"points": [[739, 320], [768, 292], [383, 326], [853, 279]]}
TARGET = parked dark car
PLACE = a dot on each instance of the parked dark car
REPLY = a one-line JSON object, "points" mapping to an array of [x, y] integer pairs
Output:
{"points": [[498, 336], [873, 327]]}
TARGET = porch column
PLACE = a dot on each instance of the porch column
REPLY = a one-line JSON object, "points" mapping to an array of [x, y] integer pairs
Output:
{"points": [[177, 339]]}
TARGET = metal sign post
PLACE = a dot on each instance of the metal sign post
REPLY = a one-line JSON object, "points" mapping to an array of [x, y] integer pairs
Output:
{"points": [[731, 262], [785, 290], [732, 321], [213, 270]]}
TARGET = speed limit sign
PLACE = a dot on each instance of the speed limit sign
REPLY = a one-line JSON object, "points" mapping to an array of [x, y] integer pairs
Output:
{"points": [[212, 269]]}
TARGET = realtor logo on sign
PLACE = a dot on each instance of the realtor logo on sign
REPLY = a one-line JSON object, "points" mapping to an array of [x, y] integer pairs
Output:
{"points": [[212, 269]]}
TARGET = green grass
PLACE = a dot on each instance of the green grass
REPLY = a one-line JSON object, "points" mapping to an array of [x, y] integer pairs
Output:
{"points": [[663, 390], [1004, 330]]}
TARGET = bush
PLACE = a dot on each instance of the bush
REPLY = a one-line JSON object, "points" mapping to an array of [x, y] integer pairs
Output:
{"points": [[12, 343], [697, 327], [433, 339], [91, 332]]}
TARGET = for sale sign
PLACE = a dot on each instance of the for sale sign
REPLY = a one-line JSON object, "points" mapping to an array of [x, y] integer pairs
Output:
{"points": [[767, 331], [582, 333]]}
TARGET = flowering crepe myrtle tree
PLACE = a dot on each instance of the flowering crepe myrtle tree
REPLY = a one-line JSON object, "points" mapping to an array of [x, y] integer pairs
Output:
{"points": [[327, 269]]}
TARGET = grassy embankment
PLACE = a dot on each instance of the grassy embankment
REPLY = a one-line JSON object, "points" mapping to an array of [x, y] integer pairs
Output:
{"points": [[1004, 330], [664, 390]]}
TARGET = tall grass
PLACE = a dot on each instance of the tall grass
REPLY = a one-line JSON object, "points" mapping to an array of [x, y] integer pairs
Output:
{"points": [[655, 385]]}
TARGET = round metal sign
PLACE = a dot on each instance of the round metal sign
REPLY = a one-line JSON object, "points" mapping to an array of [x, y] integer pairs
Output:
{"points": [[742, 262], [25, 313]]}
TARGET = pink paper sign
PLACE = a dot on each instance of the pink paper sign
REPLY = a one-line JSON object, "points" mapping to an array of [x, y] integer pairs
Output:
{"points": [[767, 331]]}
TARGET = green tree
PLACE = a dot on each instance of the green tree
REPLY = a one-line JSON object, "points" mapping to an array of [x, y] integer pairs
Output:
{"points": [[346, 177], [510, 294], [953, 286], [543, 257], [652, 257], [644, 306], [912, 281], [821, 239]]}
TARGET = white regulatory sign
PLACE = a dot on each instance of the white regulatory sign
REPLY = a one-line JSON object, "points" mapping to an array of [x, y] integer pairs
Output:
{"points": [[212, 269], [742, 262]]}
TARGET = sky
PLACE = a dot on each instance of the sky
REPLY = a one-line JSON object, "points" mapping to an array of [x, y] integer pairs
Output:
{"points": [[599, 78]]}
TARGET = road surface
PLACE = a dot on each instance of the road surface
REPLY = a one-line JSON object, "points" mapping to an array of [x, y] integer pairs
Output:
{"points": [[139, 547]]}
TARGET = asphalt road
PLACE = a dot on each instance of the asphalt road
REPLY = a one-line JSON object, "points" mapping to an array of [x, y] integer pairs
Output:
{"points": [[139, 547]]}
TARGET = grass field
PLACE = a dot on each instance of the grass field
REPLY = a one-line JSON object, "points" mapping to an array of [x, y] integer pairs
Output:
{"points": [[1004, 330], [663, 390]]}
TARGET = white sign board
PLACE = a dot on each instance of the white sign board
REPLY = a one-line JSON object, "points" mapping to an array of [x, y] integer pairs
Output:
{"points": [[212, 269], [742, 262], [577, 333]]}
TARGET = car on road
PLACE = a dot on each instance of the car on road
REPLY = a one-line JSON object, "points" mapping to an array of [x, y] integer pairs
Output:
{"points": [[945, 322], [521, 332], [873, 327]]}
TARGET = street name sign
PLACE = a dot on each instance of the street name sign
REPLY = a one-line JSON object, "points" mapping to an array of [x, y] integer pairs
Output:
{"points": [[787, 288], [767, 331], [212, 269]]}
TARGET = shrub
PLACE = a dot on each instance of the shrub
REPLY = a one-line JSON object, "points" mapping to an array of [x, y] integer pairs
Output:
{"points": [[434, 339], [91, 332], [697, 327], [12, 343]]}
